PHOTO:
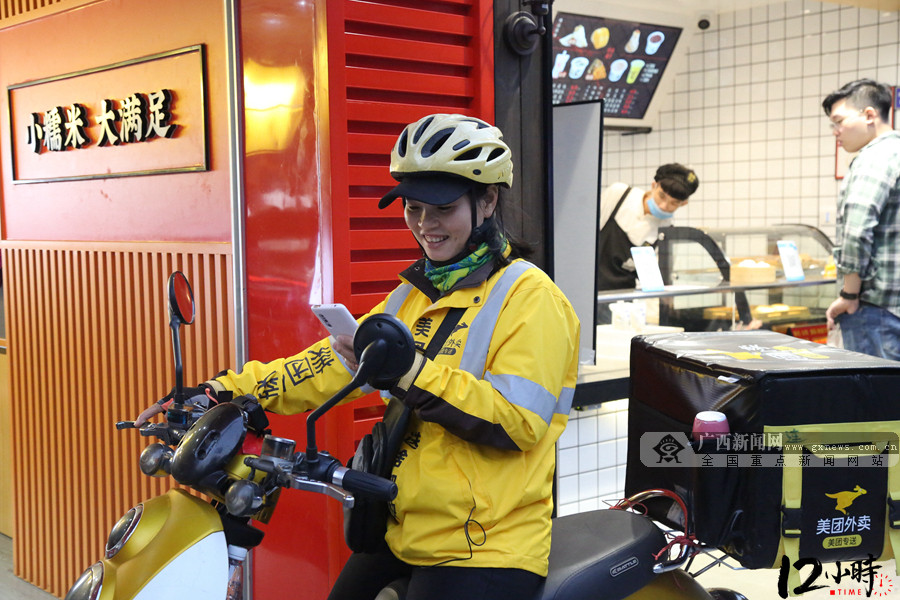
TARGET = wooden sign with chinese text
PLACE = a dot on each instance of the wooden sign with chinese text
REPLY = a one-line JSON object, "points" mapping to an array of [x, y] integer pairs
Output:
{"points": [[138, 117]]}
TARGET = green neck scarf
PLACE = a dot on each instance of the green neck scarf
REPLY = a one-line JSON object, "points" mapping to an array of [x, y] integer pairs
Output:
{"points": [[444, 278]]}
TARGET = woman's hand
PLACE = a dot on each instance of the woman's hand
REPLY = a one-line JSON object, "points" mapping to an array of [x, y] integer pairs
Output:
{"points": [[202, 396], [149, 412], [343, 345]]}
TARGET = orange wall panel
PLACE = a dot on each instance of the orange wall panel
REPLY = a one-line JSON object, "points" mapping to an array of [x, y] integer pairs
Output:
{"points": [[89, 344], [84, 295], [7, 515], [177, 207]]}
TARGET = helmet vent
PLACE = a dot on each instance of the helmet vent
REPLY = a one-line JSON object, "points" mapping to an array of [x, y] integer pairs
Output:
{"points": [[469, 155], [437, 140], [479, 124], [422, 129], [495, 153], [453, 145], [402, 143]]}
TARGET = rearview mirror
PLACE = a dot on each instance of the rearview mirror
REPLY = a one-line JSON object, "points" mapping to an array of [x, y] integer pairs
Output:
{"points": [[385, 350], [391, 349], [181, 298], [181, 312]]}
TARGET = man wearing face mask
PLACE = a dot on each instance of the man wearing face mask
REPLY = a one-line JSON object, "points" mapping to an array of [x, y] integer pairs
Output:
{"points": [[630, 217]]}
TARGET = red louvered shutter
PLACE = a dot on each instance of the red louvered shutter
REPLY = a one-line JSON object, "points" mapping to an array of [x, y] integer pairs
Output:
{"points": [[392, 62]]}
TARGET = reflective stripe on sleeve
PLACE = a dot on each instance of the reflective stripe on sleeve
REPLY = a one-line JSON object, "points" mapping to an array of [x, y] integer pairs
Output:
{"points": [[564, 406], [524, 393]]}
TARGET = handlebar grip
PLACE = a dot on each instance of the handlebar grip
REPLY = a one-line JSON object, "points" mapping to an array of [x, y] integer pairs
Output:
{"points": [[260, 464], [125, 425], [364, 484]]}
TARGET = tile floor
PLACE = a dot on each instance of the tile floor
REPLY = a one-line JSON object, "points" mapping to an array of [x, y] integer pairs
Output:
{"points": [[11, 587]]}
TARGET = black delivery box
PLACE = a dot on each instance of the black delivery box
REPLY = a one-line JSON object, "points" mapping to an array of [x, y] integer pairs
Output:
{"points": [[809, 449]]}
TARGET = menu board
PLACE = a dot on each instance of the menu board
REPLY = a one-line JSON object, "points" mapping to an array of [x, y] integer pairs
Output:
{"points": [[619, 61]]}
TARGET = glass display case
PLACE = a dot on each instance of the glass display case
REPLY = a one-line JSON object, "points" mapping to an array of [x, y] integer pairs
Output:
{"points": [[716, 279], [746, 261]]}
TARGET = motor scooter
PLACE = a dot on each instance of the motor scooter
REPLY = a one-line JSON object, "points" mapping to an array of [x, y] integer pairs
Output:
{"points": [[179, 546]]}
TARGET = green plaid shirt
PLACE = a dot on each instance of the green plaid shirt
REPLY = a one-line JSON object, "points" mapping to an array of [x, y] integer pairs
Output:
{"points": [[868, 222]]}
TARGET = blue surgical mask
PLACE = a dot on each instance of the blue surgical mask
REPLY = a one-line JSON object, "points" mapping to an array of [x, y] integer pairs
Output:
{"points": [[656, 211]]}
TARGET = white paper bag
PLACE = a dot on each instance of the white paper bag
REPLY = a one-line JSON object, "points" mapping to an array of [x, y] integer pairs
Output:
{"points": [[834, 337]]}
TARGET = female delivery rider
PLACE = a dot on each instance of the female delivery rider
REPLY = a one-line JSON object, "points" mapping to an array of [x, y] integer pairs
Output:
{"points": [[476, 468]]}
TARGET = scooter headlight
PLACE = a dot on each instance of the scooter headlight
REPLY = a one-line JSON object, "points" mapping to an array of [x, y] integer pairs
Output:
{"points": [[156, 460], [87, 587], [122, 530]]}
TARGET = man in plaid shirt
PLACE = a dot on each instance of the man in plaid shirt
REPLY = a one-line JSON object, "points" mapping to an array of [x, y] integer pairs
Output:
{"points": [[867, 250]]}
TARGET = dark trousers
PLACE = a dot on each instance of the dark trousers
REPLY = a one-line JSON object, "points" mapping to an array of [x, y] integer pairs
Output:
{"points": [[365, 575]]}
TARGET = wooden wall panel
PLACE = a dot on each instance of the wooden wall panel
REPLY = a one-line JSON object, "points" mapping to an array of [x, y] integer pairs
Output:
{"points": [[89, 345], [6, 496], [11, 8]]}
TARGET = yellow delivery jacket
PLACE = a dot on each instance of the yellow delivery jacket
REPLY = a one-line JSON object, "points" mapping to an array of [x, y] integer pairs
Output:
{"points": [[476, 467]]}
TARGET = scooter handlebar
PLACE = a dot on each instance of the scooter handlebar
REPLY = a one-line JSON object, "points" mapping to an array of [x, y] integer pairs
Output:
{"points": [[364, 484]]}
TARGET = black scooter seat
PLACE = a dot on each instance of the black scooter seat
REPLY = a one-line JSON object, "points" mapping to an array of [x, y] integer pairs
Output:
{"points": [[601, 555]]}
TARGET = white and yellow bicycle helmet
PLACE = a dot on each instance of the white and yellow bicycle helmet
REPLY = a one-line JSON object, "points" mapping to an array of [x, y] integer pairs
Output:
{"points": [[437, 158]]}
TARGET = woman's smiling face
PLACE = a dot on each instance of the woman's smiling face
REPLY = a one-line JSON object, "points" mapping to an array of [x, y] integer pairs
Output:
{"points": [[443, 231]]}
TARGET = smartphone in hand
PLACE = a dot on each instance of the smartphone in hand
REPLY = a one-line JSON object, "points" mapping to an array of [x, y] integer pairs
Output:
{"points": [[336, 319]]}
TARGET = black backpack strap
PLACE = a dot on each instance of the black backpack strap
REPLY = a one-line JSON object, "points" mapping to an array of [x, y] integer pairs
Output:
{"points": [[396, 415], [389, 436], [444, 330]]}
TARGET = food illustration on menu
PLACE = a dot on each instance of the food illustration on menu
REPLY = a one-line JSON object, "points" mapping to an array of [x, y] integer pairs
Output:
{"points": [[619, 61]]}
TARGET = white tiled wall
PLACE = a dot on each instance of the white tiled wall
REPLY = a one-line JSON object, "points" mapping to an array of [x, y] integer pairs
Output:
{"points": [[747, 116], [591, 458]]}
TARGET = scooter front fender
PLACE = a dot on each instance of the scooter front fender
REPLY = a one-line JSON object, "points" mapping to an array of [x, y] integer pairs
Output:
{"points": [[177, 551]]}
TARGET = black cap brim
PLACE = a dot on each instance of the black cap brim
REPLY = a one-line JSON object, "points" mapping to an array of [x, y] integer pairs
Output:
{"points": [[436, 191]]}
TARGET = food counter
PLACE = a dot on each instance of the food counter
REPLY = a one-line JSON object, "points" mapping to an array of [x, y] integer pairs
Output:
{"points": [[711, 285]]}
